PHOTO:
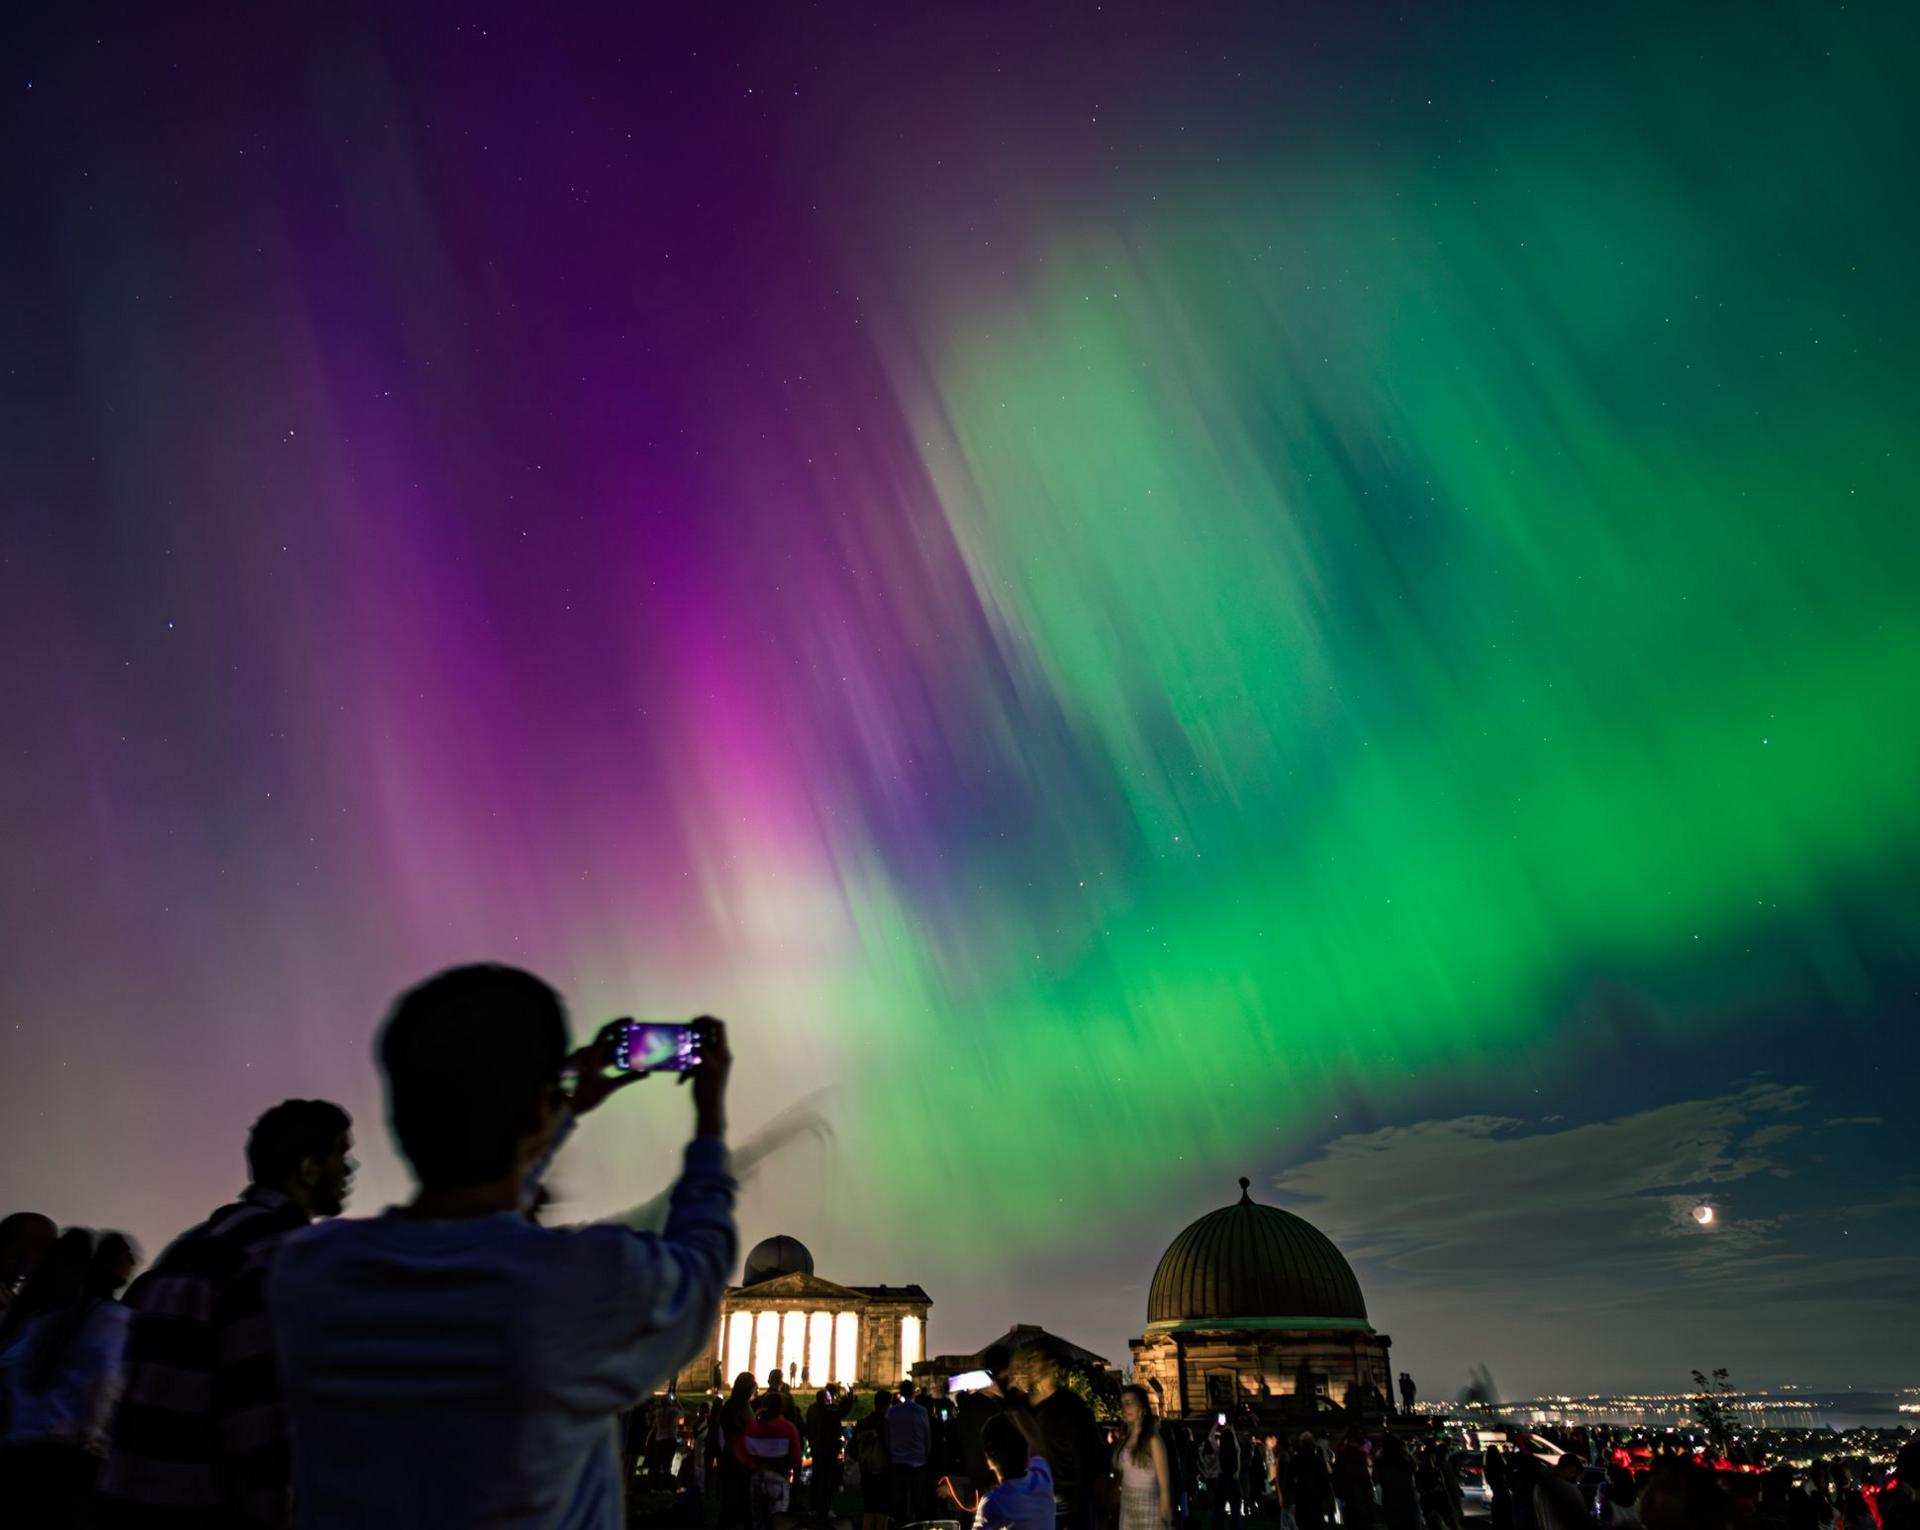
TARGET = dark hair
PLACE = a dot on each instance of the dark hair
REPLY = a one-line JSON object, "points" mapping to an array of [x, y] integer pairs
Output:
{"points": [[906, 1391], [1005, 1446], [737, 1411], [113, 1250], [61, 1289], [289, 1134], [467, 1054], [25, 1231], [1149, 1425]]}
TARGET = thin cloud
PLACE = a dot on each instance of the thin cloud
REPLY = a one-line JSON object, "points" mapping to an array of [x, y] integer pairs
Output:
{"points": [[1433, 1198], [1574, 1253]]}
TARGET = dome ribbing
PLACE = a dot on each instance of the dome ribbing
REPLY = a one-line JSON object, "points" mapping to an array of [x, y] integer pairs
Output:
{"points": [[1253, 1261]]}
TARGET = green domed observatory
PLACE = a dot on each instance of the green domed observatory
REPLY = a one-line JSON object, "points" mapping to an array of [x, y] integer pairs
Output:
{"points": [[1252, 1304]]}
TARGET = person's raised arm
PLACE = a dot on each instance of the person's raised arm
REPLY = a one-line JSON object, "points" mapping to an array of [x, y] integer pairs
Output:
{"points": [[666, 1286]]}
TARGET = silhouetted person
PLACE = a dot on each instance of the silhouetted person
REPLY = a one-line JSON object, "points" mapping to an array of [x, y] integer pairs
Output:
{"points": [[200, 1438], [1525, 1473], [1406, 1393], [973, 1409], [1022, 1497], [1399, 1493], [1496, 1465], [870, 1450], [451, 1364], [1558, 1498], [1224, 1479], [1353, 1482], [664, 1414], [909, 1449], [1899, 1500], [1070, 1440], [777, 1388], [736, 1413], [1307, 1485], [62, 1359], [825, 1416], [1439, 1484], [1253, 1472], [770, 1451], [1623, 1494], [25, 1237]]}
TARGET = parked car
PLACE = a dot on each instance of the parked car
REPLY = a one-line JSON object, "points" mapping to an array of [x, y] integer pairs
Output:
{"points": [[1471, 1468]]}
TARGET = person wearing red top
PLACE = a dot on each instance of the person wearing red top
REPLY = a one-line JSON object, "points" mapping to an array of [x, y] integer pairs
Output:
{"points": [[769, 1448]]}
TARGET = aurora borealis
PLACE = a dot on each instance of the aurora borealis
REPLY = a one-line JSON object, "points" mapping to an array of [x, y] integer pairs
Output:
{"points": [[1113, 585]]}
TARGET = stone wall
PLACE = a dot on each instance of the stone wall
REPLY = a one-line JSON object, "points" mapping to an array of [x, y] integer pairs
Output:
{"points": [[1199, 1372]]}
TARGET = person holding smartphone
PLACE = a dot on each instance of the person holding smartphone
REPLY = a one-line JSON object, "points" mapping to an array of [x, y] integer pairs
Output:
{"points": [[450, 1363]]}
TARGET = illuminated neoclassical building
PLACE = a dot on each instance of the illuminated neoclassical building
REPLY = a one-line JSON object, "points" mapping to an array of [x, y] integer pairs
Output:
{"points": [[816, 1331], [1254, 1305]]}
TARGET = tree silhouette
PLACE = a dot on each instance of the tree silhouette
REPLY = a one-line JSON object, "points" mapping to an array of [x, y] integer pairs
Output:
{"points": [[1710, 1407]]}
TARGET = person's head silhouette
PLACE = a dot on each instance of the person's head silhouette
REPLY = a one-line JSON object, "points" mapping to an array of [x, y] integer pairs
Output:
{"points": [[472, 1059], [301, 1149]]}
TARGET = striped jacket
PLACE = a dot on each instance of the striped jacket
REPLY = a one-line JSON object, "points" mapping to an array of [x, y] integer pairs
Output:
{"points": [[200, 1438]]}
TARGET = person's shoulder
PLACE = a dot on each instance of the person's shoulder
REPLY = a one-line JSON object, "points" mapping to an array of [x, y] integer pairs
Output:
{"points": [[215, 1241], [608, 1246], [322, 1240], [308, 1255]]}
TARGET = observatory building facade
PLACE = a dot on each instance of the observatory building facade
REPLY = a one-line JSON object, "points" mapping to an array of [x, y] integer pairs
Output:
{"points": [[813, 1331], [1252, 1304]]}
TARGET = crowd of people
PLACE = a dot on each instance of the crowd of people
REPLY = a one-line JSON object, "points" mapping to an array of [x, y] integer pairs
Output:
{"points": [[1671, 1482], [1031, 1456], [450, 1362], [995, 1457], [453, 1362]]}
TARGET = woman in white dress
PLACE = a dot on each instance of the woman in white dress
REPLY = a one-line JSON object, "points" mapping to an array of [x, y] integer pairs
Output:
{"points": [[1146, 1483]]}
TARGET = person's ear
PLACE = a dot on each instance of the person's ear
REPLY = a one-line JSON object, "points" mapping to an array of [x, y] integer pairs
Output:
{"points": [[311, 1170], [547, 1106]]}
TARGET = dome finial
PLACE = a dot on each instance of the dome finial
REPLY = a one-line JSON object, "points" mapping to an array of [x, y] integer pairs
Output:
{"points": [[1245, 1185]]}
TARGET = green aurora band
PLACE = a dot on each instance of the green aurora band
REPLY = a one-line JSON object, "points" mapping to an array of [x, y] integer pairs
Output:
{"points": [[1480, 576]]}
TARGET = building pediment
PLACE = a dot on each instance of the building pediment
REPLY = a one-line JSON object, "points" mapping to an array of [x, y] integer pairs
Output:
{"points": [[798, 1287]]}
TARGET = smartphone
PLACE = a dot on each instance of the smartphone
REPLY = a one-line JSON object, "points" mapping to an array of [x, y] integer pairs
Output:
{"points": [[1220, 1419], [968, 1381], [656, 1046]]}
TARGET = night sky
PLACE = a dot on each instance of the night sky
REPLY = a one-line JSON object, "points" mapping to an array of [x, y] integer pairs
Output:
{"points": [[1136, 594]]}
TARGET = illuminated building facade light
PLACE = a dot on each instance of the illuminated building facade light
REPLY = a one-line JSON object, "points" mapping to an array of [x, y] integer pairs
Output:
{"points": [[846, 1348], [766, 1343], [793, 1343], [909, 1344]]}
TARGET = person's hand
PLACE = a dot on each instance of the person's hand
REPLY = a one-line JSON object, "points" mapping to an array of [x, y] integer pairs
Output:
{"points": [[593, 1083], [709, 1080]]}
